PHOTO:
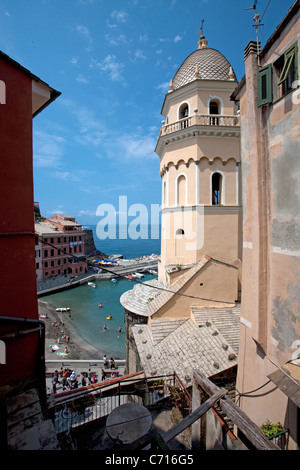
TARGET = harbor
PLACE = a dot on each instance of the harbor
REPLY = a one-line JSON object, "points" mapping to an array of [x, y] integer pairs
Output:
{"points": [[117, 269]]}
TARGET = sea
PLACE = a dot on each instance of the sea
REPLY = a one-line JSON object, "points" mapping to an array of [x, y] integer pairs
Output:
{"points": [[87, 317]]}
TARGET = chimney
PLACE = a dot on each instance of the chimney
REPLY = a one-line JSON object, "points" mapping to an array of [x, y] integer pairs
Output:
{"points": [[252, 48]]}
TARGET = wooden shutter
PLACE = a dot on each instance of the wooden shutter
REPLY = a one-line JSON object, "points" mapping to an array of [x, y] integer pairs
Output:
{"points": [[265, 85]]}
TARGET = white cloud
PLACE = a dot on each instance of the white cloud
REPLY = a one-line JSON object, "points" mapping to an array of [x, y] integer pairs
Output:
{"points": [[119, 15], [177, 38], [133, 147], [116, 41], [163, 87], [74, 60], [139, 55], [81, 79], [47, 150], [85, 33], [111, 65]]}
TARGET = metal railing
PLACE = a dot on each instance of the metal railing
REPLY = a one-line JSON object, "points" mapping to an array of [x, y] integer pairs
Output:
{"points": [[85, 405], [201, 120]]}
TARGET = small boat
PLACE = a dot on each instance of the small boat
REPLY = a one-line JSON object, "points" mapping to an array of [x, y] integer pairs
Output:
{"points": [[130, 277], [63, 309], [43, 316], [113, 279], [91, 284], [151, 271], [139, 275], [99, 305]]}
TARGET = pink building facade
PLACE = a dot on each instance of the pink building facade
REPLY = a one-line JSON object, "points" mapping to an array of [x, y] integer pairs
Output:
{"points": [[63, 247]]}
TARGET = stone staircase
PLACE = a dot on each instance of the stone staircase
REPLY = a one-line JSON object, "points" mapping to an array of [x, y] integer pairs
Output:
{"points": [[26, 427]]}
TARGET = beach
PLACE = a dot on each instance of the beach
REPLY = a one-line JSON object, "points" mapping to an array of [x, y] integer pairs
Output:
{"points": [[78, 348]]}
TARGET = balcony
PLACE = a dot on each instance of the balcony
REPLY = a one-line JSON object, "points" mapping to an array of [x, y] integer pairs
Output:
{"points": [[212, 120]]}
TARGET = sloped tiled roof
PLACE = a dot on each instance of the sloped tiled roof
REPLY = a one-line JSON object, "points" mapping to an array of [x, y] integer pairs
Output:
{"points": [[185, 349], [225, 319], [137, 299], [164, 297]]}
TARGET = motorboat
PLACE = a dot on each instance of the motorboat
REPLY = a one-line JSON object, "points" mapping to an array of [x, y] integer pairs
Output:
{"points": [[63, 309], [139, 275], [130, 277], [151, 271], [113, 279], [91, 284]]}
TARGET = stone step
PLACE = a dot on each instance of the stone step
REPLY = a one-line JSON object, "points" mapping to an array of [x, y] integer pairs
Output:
{"points": [[26, 427]]}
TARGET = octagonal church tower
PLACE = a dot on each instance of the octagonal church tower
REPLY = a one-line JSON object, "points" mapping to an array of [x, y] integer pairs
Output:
{"points": [[199, 150]]}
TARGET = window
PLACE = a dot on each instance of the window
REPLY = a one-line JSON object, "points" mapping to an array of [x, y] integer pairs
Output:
{"points": [[180, 231], [287, 69], [184, 111], [216, 189], [264, 86], [181, 190], [214, 108]]}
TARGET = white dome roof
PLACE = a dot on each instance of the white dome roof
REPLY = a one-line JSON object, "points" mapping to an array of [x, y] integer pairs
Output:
{"points": [[209, 63]]}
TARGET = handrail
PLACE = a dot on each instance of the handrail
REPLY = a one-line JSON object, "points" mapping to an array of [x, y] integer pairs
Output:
{"points": [[222, 120]]}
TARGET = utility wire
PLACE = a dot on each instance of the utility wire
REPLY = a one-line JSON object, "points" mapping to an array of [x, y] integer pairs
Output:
{"points": [[141, 282], [265, 11]]}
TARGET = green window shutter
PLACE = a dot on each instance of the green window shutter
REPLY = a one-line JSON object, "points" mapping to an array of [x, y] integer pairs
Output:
{"points": [[290, 59], [265, 85]]}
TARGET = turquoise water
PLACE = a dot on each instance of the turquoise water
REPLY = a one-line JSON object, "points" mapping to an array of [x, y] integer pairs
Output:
{"points": [[89, 319]]}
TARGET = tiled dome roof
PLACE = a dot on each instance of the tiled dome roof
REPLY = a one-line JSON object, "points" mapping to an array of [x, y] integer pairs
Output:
{"points": [[209, 63]]}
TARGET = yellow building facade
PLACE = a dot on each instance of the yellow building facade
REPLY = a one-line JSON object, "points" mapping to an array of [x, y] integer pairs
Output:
{"points": [[199, 150]]}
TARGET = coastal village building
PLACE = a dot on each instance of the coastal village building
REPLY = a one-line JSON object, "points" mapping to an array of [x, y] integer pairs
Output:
{"points": [[203, 343], [61, 247], [23, 97], [270, 315], [188, 318]]}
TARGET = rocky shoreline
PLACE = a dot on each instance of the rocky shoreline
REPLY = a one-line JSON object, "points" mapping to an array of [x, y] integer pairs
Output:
{"points": [[78, 348]]}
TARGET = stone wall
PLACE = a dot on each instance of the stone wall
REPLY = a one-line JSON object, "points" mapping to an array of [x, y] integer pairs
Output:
{"points": [[90, 249], [131, 353]]}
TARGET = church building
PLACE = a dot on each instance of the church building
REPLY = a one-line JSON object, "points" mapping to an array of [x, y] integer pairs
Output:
{"points": [[189, 317]]}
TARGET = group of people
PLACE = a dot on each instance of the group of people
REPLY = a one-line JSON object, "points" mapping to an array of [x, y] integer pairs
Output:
{"points": [[60, 333], [69, 379]]}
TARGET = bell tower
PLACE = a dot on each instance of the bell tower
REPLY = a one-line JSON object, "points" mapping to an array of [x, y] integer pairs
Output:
{"points": [[199, 150]]}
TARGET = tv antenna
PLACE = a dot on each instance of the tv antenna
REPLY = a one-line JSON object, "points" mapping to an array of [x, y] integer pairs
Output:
{"points": [[257, 19]]}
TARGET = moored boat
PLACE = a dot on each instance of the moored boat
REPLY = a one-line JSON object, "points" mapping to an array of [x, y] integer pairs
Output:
{"points": [[63, 309], [91, 284]]}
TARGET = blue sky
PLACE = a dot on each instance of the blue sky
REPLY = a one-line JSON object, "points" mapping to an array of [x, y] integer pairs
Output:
{"points": [[113, 61]]}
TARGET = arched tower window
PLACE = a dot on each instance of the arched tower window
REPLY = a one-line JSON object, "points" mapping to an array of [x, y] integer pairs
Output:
{"points": [[216, 189], [183, 111], [181, 190], [214, 107]]}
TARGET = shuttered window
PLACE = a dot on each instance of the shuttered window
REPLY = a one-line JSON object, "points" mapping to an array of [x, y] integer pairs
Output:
{"points": [[265, 85]]}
